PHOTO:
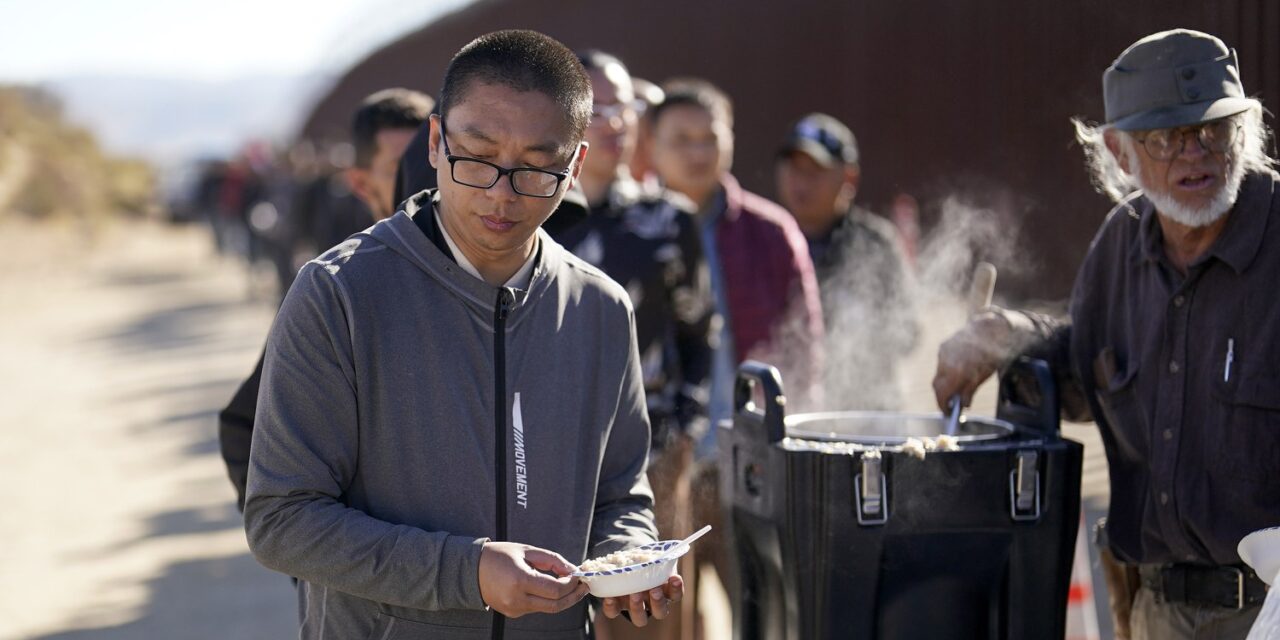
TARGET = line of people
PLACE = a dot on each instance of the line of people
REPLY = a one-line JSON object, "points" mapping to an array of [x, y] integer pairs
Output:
{"points": [[516, 368], [715, 274], [281, 208]]}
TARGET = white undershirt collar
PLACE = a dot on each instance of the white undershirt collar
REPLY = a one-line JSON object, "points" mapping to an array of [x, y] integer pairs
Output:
{"points": [[518, 281]]}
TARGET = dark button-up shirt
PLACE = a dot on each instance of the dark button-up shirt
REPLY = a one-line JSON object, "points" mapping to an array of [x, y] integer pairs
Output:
{"points": [[1182, 374]]}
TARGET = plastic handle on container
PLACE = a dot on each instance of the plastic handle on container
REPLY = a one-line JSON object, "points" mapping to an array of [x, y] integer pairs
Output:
{"points": [[1043, 415], [751, 373]]}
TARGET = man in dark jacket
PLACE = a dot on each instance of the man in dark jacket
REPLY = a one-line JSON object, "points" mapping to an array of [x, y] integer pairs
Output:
{"points": [[647, 239], [415, 173], [452, 404], [862, 274]]}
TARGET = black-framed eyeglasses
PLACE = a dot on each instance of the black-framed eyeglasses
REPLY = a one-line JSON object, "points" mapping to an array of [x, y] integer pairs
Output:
{"points": [[1217, 136], [478, 174]]}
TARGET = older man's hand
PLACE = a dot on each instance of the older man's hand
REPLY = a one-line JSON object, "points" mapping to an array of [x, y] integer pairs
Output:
{"points": [[655, 603], [516, 579], [970, 356]]}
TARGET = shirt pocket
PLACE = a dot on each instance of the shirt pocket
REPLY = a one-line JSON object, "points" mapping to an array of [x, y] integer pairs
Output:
{"points": [[1249, 406], [1127, 422]]}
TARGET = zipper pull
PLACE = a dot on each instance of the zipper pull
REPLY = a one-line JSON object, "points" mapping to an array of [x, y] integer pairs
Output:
{"points": [[505, 299]]}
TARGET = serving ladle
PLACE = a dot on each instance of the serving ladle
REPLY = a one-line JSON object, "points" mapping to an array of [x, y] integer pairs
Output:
{"points": [[980, 292]]}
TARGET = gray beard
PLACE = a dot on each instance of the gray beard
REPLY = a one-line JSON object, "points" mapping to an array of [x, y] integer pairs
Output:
{"points": [[1196, 217]]}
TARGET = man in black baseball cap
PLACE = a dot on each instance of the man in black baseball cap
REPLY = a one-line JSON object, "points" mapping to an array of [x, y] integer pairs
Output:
{"points": [[1173, 337], [862, 274], [818, 174], [817, 178]]}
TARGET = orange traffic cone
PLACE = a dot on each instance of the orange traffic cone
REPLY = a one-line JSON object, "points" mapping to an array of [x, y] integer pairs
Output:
{"points": [[1082, 615]]}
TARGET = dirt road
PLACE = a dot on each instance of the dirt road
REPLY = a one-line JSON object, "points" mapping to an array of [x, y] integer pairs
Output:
{"points": [[118, 520]]}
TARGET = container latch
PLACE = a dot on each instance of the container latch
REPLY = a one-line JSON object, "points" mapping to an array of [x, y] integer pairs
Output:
{"points": [[871, 493], [1024, 487]]}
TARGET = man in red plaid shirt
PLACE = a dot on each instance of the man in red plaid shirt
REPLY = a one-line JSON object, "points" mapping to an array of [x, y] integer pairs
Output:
{"points": [[761, 276], [761, 273]]}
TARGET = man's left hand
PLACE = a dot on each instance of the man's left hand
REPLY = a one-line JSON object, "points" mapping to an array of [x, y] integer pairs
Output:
{"points": [[654, 603]]}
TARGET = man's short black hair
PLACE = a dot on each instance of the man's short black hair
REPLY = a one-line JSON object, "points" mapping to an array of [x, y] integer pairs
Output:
{"points": [[694, 92], [386, 109], [525, 61]]}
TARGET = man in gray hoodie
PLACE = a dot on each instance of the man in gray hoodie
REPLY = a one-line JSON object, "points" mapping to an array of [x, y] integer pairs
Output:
{"points": [[452, 404]]}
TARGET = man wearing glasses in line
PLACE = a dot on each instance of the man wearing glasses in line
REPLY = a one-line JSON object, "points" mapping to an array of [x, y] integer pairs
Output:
{"points": [[646, 238], [1173, 340], [452, 404]]}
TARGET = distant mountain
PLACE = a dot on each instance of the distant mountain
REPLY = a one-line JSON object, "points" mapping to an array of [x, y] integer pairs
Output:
{"points": [[171, 121]]}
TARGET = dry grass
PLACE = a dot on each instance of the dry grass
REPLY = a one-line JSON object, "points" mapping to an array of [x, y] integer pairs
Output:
{"points": [[50, 168]]}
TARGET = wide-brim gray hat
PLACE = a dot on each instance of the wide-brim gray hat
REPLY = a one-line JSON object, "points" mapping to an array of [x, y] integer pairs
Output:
{"points": [[1173, 79]]}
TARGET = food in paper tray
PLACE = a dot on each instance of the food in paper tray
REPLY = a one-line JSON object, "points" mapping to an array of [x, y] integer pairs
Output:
{"points": [[620, 559], [634, 570], [630, 571]]}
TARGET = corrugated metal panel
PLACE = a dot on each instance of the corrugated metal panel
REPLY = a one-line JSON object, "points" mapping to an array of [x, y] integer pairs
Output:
{"points": [[947, 98]]}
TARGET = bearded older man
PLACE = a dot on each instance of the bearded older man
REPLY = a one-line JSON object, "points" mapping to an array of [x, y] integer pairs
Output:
{"points": [[1173, 340]]}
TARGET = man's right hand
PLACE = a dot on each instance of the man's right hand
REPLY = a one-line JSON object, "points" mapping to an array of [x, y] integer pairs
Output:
{"points": [[970, 356], [516, 579]]}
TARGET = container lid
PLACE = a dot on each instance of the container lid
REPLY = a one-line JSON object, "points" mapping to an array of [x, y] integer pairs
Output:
{"points": [[888, 428]]}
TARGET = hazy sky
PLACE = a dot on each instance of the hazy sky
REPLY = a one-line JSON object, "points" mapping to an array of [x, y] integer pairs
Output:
{"points": [[215, 39]]}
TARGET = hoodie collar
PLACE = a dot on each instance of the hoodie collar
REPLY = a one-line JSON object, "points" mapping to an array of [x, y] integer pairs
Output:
{"points": [[518, 280], [401, 233]]}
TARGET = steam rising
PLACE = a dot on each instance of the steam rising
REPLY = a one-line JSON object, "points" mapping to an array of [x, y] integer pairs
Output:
{"points": [[883, 332]]}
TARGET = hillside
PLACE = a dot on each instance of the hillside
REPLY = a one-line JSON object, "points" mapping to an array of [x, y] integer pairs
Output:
{"points": [[50, 168]]}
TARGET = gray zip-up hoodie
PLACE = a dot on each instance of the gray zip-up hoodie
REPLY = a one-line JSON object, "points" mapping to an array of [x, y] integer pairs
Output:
{"points": [[397, 431]]}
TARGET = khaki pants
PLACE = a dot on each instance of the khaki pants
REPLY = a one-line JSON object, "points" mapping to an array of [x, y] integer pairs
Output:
{"points": [[1122, 586], [1153, 619], [1141, 614]]}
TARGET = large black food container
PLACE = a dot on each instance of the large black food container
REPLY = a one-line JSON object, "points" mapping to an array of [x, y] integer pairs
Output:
{"points": [[833, 543]]}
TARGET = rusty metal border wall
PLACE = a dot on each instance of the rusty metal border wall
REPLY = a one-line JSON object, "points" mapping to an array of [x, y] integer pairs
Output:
{"points": [[948, 99]]}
